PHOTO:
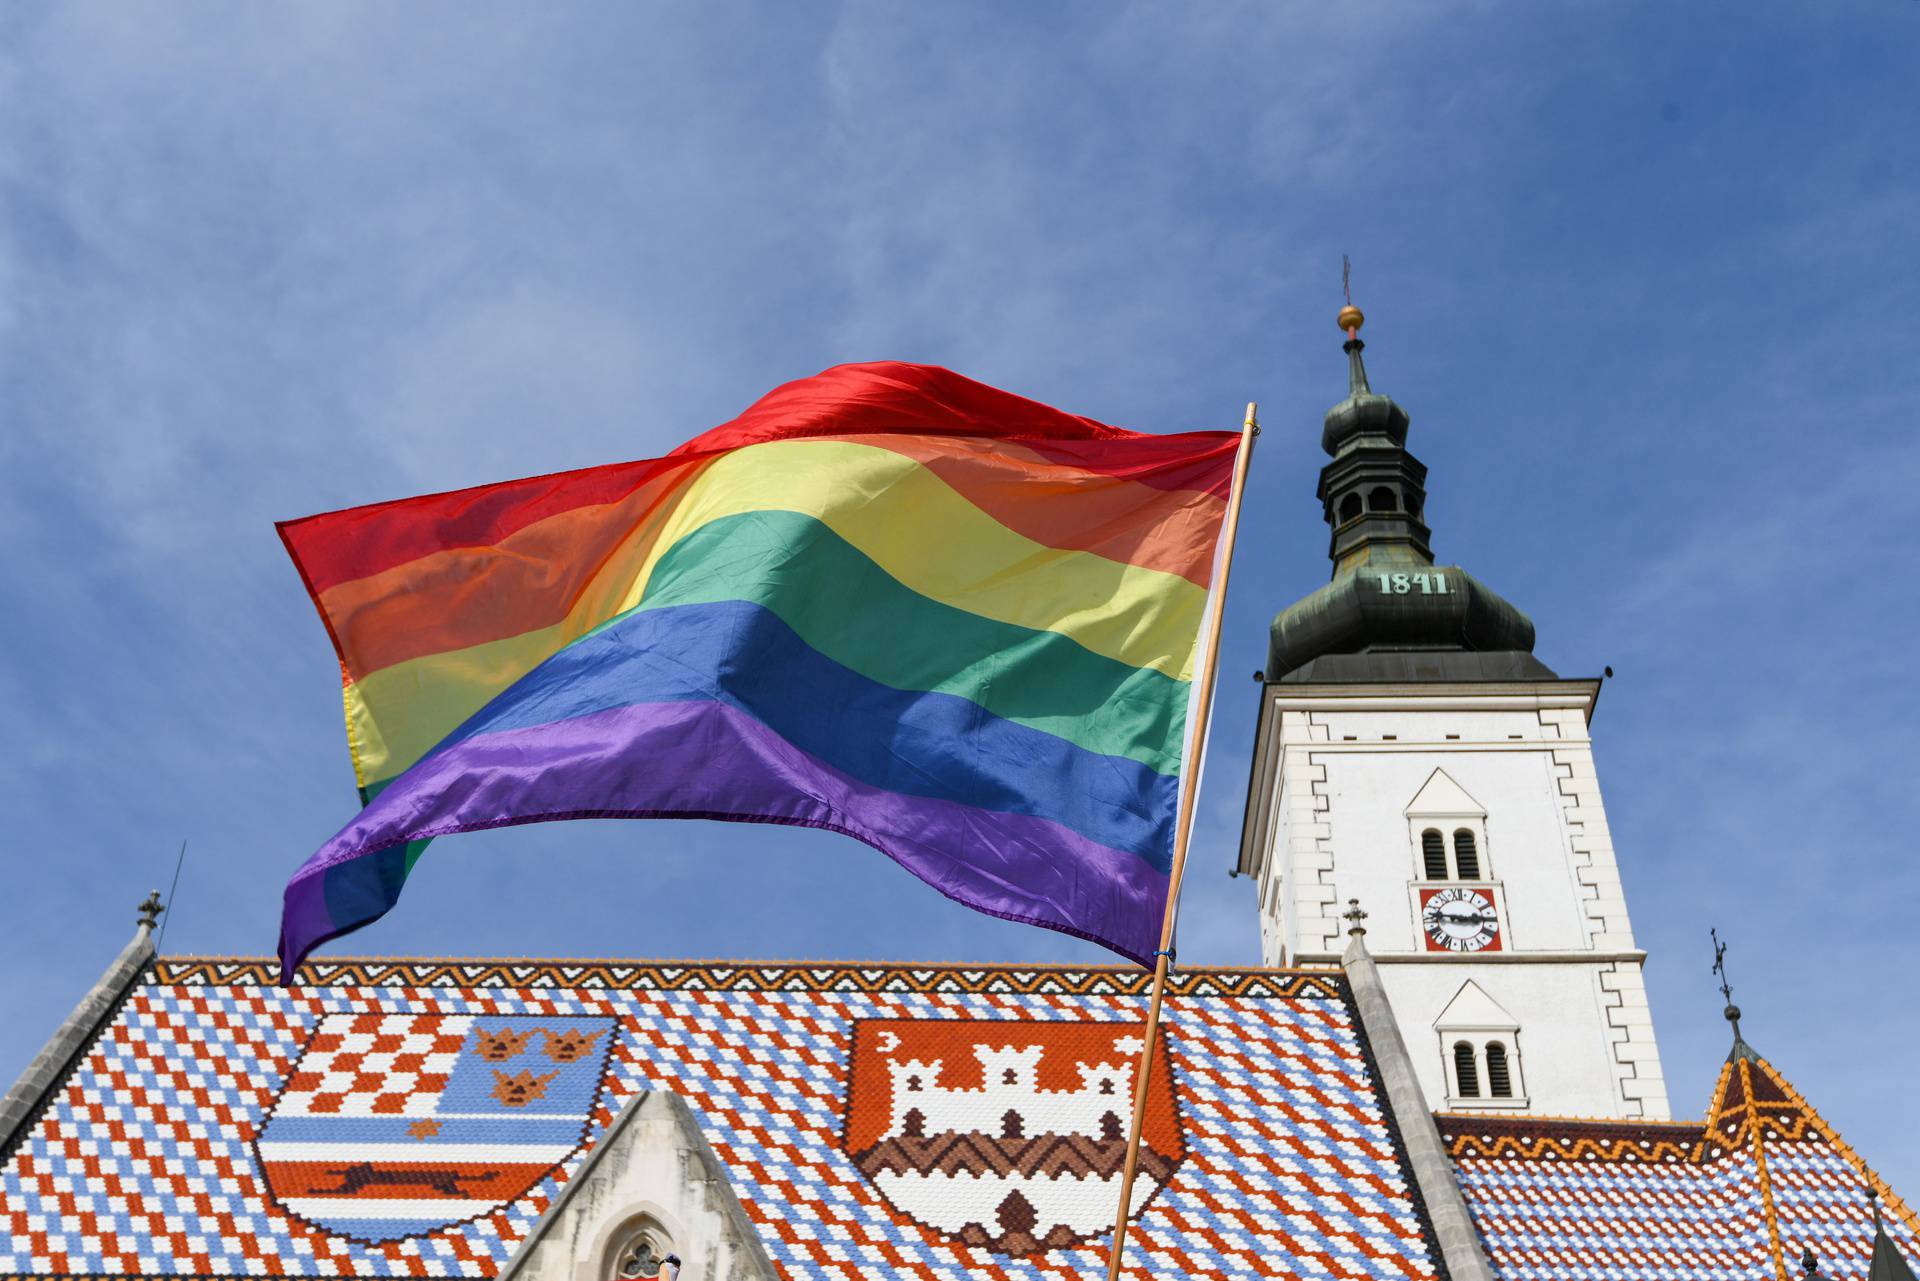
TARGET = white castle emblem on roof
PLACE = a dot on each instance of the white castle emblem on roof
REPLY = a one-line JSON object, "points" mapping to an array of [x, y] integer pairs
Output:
{"points": [[1027, 1156], [1010, 1103]]}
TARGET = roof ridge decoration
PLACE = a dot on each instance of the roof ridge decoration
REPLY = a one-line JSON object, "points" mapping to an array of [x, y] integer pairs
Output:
{"points": [[751, 976], [1472, 1136], [1755, 1127]]}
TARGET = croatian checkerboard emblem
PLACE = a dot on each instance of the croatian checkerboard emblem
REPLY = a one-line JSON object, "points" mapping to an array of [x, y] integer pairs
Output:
{"points": [[395, 1125], [1009, 1136]]}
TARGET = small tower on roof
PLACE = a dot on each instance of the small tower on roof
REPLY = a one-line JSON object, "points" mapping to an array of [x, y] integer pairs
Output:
{"points": [[1413, 753]]}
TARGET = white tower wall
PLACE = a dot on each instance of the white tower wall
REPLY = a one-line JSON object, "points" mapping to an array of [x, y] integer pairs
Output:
{"points": [[1336, 769]]}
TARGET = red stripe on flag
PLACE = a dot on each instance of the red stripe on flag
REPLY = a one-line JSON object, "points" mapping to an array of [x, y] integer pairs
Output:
{"points": [[881, 398]]}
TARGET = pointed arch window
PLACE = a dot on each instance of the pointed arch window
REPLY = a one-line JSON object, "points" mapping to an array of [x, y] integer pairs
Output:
{"points": [[1466, 855], [1433, 853], [1499, 1079], [641, 1253], [1466, 1073]]}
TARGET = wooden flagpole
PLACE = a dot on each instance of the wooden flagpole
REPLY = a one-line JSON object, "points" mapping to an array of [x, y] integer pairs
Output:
{"points": [[1183, 831]]}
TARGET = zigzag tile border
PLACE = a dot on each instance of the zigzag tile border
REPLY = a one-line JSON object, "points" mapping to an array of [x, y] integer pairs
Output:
{"points": [[1471, 1137], [747, 976]]}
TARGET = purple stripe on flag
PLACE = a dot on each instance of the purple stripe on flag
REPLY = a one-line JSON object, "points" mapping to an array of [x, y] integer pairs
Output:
{"points": [[699, 759]]}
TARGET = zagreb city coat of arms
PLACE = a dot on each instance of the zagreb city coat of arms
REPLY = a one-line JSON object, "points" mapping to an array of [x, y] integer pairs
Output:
{"points": [[1009, 1136], [395, 1125]]}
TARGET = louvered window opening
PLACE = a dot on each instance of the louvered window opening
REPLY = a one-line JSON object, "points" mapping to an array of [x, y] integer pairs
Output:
{"points": [[1466, 859], [1433, 849], [1466, 1074], [1499, 1080]]}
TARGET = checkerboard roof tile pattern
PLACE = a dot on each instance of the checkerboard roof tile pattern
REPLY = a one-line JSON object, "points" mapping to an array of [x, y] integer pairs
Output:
{"points": [[147, 1159], [1737, 1196]]}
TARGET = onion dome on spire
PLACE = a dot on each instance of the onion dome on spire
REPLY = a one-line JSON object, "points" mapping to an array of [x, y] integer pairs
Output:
{"points": [[1390, 613], [1362, 410]]}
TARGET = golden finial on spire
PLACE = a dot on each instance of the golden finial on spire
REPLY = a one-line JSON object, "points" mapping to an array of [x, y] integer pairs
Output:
{"points": [[1350, 318]]}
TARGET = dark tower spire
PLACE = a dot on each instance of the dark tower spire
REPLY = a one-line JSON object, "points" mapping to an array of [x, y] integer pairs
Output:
{"points": [[1373, 491], [1390, 613]]}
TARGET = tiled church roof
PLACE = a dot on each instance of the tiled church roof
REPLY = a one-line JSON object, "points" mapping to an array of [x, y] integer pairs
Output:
{"points": [[220, 1125], [193, 1135], [1738, 1195]]}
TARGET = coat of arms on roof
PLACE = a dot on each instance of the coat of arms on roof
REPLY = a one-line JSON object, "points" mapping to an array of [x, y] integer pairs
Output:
{"points": [[1007, 1136], [396, 1125]]}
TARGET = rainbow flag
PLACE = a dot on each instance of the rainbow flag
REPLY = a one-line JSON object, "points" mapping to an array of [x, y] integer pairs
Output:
{"points": [[886, 600]]}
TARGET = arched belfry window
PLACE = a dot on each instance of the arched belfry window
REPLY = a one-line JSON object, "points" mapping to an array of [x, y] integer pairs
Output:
{"points": [[642, 1252], [1499, 1079], [1349, 507], [1466, 1074], [1383, 500], [1466, 856], [1479, 1044], [1447, 831]]}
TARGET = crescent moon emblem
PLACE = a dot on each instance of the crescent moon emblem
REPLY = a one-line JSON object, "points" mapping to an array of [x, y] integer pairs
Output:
{"points": [[889, 1042]]}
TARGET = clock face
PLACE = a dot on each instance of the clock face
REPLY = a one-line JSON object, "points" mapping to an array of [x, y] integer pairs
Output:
{"points": [[1460, 918]]}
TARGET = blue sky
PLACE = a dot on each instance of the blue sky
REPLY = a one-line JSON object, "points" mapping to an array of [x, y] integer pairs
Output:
{"points": [[1645, 276]]}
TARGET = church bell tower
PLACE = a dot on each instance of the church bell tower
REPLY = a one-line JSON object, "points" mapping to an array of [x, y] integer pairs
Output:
{"points": [[1414, 755]]}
